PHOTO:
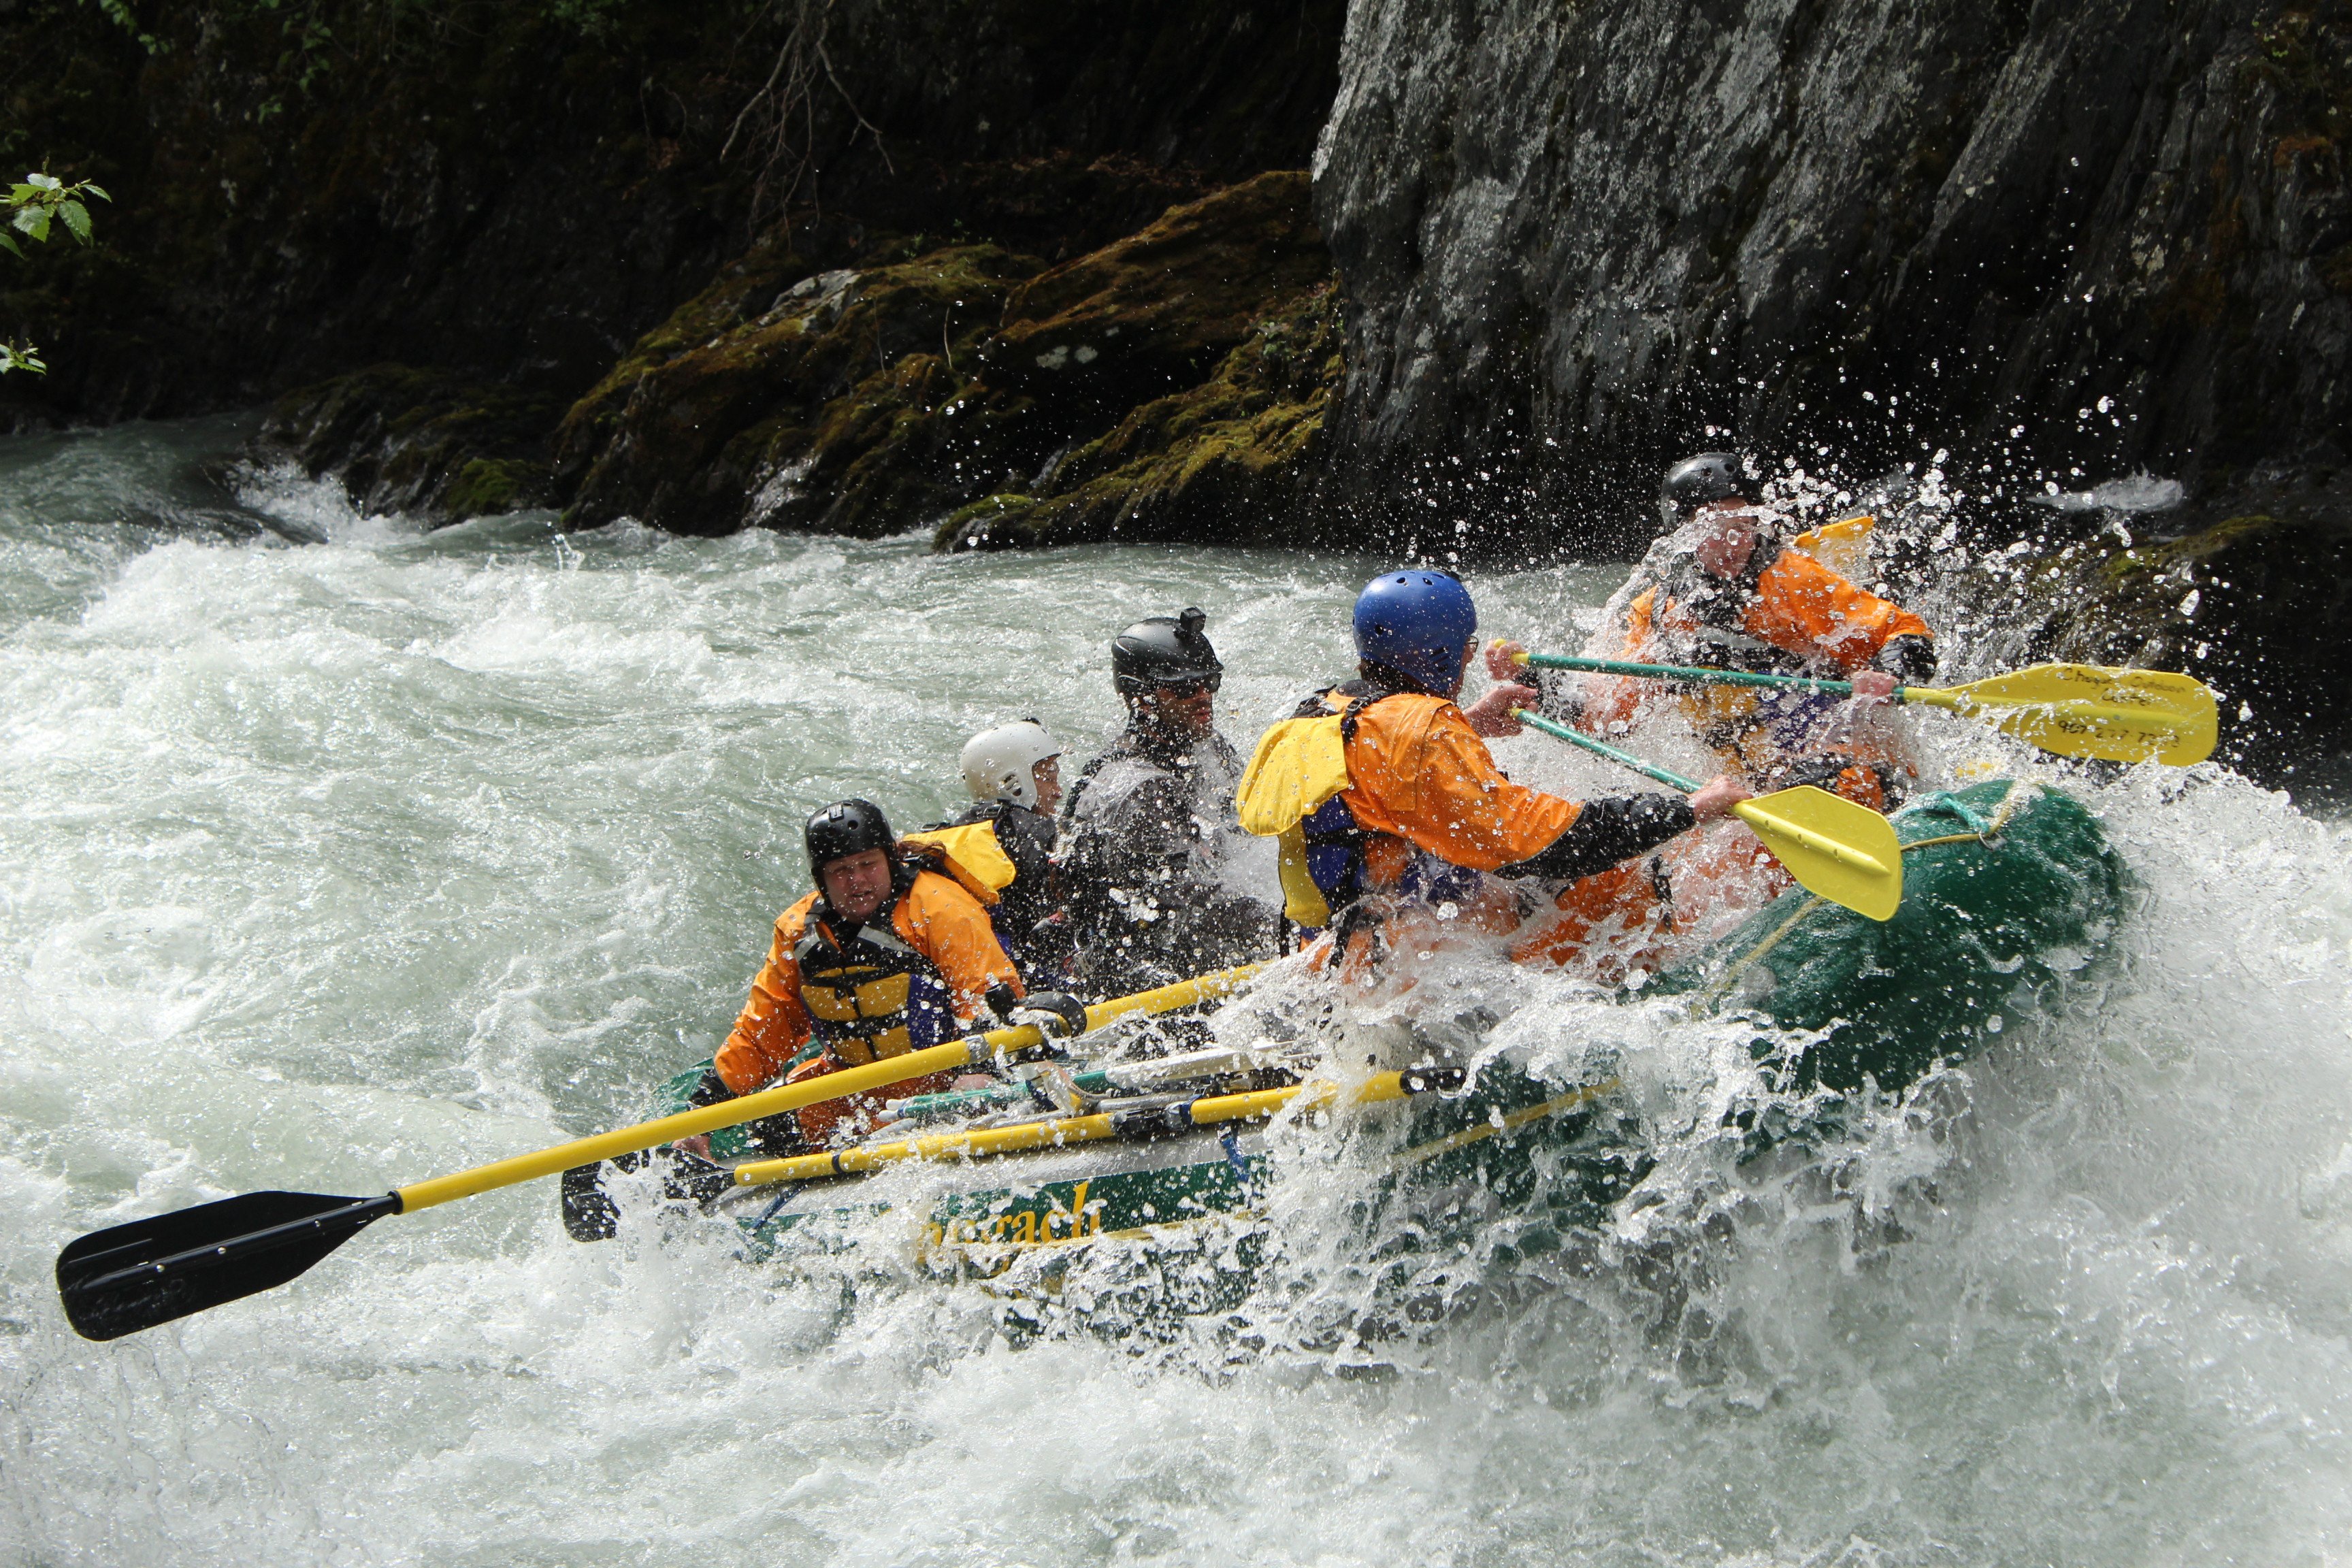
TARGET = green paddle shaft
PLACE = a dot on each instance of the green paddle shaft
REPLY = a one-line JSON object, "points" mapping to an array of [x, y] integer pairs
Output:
{"points": [[1599, 748], [1844, 852], [1694, 672]]}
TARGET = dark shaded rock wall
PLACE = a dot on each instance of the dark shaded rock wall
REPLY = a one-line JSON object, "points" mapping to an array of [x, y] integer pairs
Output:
{"points": [[488, 189], [2057, 239]]}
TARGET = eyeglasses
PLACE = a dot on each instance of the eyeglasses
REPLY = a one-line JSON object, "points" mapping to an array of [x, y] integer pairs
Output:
{"points": [[1188, 687]]}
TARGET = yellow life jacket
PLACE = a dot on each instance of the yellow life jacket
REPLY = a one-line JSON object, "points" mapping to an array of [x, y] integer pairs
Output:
{"points": [[870, 997], [1299, 764], [972, 857]]}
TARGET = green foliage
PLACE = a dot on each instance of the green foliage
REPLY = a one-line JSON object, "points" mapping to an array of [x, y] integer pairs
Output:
{"points": [[34, 205], [43, 199], [119, 13]]}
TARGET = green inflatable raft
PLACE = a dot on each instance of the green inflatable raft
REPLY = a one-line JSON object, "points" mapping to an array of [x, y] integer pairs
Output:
{"points": [[2008, 889]]}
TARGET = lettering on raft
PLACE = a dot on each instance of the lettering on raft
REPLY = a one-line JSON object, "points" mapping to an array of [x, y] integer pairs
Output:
{"points": [[1026, 1227]]}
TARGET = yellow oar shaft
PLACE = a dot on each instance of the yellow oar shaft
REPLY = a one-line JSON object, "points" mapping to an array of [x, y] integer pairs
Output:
{"points": [[792, 1097], [1763, 821], [1055, 1133]]}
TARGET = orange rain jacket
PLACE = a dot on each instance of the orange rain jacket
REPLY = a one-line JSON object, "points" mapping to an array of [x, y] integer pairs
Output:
{"points": [[1798, 606], [1802, 608], [1417, 771], [945, 925], [1419, 775]]}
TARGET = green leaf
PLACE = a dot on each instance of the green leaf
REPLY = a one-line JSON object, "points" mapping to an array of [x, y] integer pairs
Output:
{"points": [[96, 191], [35, 222], [77, 218], [14, 249], [45, 181]]}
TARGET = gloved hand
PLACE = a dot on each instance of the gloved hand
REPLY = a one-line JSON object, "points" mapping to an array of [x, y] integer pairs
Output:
{"points": [[711, 1091], [1056, 1014]]}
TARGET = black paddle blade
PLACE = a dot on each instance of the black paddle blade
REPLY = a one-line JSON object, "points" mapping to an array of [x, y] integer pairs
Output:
{"points": [[131, 1276], [590, 1214]]}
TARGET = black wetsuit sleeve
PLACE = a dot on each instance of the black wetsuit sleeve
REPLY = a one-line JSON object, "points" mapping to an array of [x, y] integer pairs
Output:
{"points": [[1909, 659], [711, 1091], [1613, 828]]}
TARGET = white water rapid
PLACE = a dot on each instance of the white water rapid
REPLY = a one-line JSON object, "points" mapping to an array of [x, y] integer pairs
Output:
{"points": [[334, 856]]}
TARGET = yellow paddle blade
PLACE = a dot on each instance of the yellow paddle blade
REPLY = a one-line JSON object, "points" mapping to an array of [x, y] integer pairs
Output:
{"points": [[1846, 853], [2085, 711]]}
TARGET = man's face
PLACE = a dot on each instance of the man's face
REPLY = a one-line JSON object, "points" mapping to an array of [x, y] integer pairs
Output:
{"points": [[1046, 777], [856, 884], [1727, 536], [1186, 709]]}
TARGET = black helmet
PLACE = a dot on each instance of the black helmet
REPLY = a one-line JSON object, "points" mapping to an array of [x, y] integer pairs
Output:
{"points": [[1164, 652], [844, 827], [1695, 481]]}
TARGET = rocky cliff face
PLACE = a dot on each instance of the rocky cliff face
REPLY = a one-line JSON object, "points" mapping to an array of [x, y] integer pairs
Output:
{"points": [[513, 191], [2058, 239]]}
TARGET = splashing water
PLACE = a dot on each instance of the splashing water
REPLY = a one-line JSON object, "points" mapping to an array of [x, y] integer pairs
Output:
{"points": [[336, 865]]}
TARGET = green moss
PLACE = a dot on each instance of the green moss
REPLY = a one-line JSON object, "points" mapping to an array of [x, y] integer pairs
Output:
{"points": [[992, 522], [420, 442], [2141, 562], [1222, 461], [849, 405], [487, 487]]}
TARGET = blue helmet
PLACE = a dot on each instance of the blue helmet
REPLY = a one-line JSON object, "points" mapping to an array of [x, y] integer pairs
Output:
{"points": [[1417, 623]]}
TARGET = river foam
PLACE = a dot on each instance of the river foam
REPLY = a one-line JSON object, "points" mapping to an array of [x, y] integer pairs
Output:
{"points": [[336, 865]]}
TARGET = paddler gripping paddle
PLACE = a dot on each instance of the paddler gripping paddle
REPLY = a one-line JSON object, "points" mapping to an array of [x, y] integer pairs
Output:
{"points": [[131, 1276], [2068, 710], [1846, 853]]}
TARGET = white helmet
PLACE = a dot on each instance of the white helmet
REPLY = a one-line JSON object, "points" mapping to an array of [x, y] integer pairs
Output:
{"points": [[998, 763]]}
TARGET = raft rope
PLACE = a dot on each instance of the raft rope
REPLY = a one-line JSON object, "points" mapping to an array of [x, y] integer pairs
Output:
{"points": [[1984, 834]]}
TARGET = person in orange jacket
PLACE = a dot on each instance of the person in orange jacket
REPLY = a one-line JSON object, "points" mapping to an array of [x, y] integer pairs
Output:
{"points": [[1426, 815], [1723, 590], [888, 955]]}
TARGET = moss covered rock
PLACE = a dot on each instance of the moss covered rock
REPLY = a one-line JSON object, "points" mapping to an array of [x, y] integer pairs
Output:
{"points": [[1158, 310], [1175, 377], [1224, 461], [419, 442], [770, 421]]}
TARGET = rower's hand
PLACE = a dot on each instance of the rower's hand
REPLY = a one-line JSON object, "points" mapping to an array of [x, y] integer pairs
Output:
{"points": [[1718, 796], [1873, 686], [1491, 715], [699, 1146], [1502, 657], [1056, 1014]]}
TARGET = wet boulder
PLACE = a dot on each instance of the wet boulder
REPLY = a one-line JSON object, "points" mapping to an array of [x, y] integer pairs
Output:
{"points": [[2058, 239], [761, 424], [1170, 384], [1226, 461], [1160, 309], [423, 443]]}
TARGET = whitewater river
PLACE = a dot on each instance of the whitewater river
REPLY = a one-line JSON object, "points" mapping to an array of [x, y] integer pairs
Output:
{"points": [[333, 856]]}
